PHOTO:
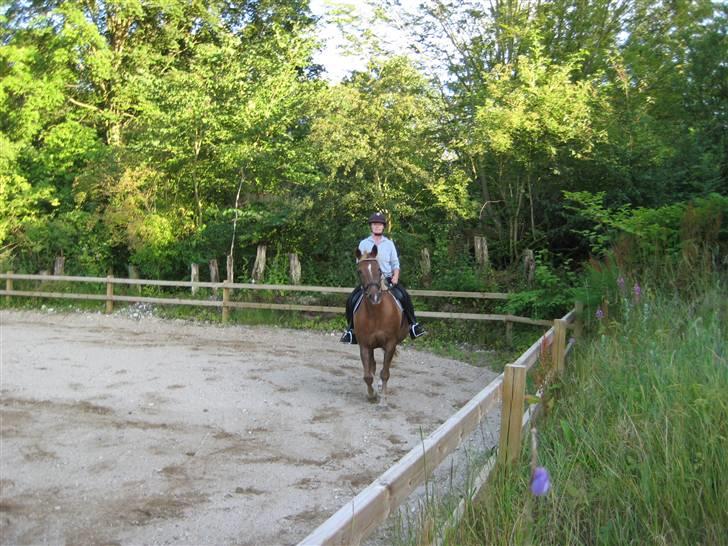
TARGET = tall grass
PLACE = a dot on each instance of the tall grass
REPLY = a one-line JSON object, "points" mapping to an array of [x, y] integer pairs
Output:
{"points": [[637, 444]]}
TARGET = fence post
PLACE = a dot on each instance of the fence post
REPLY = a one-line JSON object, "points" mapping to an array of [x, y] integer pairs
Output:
{"points": [[225, 300], [214, 274], [426, 266], [558, 346], [109, 294], [579, 320], [295, 268], [8, 286], [134, 274], [229, 266], [259, 265], [514, 394], [194, 276], [509, 333], [481, 251], [58, 265]]}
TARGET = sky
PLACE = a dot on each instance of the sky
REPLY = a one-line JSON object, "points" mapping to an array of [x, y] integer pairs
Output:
{"points": [[338, 65]]}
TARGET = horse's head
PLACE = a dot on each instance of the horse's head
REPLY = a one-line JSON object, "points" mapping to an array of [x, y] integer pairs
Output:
{"points": [[370, 275]]}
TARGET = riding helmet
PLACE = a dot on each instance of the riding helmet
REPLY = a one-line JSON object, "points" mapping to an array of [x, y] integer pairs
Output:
{"points": [[378, 218]]}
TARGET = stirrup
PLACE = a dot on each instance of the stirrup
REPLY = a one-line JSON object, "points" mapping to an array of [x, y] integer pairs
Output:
{"points": [[416, 330], [348, 337]]}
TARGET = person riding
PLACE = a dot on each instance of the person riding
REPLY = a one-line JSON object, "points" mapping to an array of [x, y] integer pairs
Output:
{"points": [[389, 265]]}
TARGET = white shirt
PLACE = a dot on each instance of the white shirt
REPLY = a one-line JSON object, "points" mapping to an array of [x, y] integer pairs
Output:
{"points": [[386, 254]]}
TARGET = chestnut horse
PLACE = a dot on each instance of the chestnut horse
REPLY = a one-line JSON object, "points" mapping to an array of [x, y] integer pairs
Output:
{"points": [[379, 322]]}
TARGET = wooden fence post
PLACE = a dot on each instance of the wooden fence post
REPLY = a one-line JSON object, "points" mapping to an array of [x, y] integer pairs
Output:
{"points": [[514, 394], [134, 274], [259, 266], [225, 300], [109, 294], [214, 274], [529, 266], [194, 276], [509, 333], [579, 319], [481, 251], [558, 346], [230, 271], [8, 286], [426, 266], [58, 265], [295, 268], [214, 271]]}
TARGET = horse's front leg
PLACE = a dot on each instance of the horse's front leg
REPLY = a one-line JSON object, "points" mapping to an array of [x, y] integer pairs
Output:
{"points": [[369, 364], [384, 374]]}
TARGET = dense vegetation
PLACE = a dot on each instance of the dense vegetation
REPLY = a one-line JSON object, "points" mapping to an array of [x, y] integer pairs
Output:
{"points": [[138, 132]]}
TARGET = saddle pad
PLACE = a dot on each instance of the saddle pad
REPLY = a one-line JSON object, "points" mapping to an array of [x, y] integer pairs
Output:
{"points": [[361, 298]]}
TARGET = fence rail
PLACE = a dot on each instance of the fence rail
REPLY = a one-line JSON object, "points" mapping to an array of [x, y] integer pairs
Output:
{"points": [[227, 287]]}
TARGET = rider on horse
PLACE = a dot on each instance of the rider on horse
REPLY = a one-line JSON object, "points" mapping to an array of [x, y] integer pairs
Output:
{"points": [[389, 264]]}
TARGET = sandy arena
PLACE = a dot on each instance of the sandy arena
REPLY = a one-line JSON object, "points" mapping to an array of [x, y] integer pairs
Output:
{"points": [[123, 431]]}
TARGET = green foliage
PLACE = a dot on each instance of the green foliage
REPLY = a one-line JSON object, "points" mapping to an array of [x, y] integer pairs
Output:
{"points": [[552, 294], [666, 229]]}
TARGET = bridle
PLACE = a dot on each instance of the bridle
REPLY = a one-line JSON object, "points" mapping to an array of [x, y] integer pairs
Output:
{"points": [[376, 284]]}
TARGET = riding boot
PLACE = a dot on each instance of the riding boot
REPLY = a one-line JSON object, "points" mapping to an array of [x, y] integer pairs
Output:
{"points": [[349, 336], [415, 329]]}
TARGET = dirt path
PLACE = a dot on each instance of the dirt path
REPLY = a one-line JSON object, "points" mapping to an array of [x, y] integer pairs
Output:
{"points": [[122, 431]]}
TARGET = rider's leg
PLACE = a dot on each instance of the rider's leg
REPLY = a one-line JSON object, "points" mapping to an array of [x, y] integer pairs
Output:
{"points": [[416, 329], [349, 336]]}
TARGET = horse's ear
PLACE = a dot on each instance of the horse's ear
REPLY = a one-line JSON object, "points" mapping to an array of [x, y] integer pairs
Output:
{"points": [[358, 253], [374, 251]]}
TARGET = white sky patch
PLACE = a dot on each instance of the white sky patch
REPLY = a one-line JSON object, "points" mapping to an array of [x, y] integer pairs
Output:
{"points": [[333, 56]]}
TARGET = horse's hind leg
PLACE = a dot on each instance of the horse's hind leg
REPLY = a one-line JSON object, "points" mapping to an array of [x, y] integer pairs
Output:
{"points": [[369, 364]]}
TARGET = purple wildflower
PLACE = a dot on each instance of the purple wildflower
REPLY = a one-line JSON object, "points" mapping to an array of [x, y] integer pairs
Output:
{"points": [[637, 291], [540, 481], [599, 314], [620, 283]]}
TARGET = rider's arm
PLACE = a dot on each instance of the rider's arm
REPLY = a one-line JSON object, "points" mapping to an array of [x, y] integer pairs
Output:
{"points": [[394, 261]]}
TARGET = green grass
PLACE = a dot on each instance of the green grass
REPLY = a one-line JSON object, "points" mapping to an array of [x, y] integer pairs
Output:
{"points": [[637, 444]]}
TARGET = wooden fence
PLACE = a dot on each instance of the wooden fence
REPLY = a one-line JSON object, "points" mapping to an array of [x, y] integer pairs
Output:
{"points": [[227, 303], [359, 517]]}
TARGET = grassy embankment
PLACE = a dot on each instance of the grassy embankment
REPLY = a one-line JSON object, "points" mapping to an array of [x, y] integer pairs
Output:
{"points": [[636, 442]]}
